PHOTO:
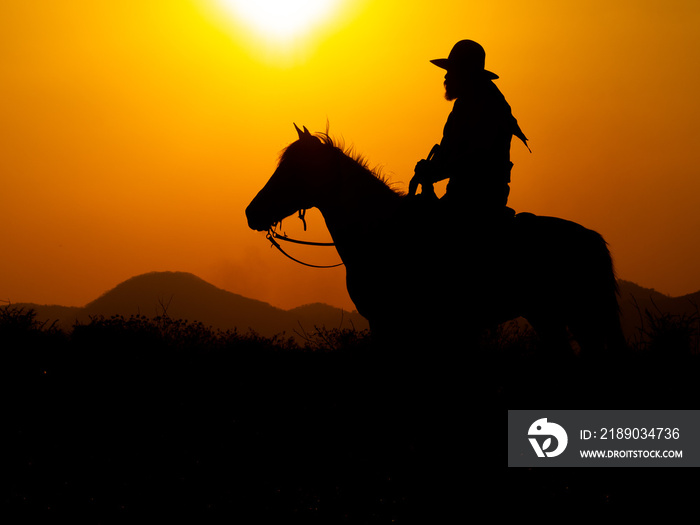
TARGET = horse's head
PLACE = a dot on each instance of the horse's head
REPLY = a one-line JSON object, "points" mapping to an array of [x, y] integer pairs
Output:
{"points": [[295, 184]]}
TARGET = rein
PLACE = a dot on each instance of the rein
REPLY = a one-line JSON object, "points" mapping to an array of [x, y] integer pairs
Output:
{"points": [[272, 235]]}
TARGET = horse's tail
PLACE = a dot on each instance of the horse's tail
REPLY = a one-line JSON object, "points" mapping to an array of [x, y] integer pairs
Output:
{"points": [[602, 290], [588, 295], [614, 337]]}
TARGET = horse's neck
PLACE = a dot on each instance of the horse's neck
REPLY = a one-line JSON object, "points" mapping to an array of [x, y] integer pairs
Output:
{"points": [[358, 208]]}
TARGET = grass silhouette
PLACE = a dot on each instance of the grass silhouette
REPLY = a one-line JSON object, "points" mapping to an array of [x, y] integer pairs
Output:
{"points": [[118, 416]]}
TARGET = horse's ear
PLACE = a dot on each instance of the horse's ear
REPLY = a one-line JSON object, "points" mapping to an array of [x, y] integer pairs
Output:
{"points": [[306, 134], [299, 132]]}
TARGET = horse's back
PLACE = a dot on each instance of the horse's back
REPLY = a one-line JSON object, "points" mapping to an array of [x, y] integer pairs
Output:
{"points": [[572, 275], [452, 278]]}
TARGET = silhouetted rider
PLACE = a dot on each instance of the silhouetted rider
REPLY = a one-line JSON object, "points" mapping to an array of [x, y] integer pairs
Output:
{"points": [[475, 149]]}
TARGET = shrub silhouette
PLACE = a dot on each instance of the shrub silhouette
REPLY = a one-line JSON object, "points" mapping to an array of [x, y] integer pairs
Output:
{"points": [[665, 334], [120, 414], [21, 323]]}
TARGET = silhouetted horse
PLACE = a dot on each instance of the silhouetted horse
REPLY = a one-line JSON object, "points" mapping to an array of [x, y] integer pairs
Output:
{"points": [[421, 283]]}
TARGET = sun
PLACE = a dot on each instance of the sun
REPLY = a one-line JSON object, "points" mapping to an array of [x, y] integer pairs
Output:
{"points": [[281, 20]]}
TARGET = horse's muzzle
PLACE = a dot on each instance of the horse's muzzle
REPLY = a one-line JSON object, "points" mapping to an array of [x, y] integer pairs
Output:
{"points": [[254, 220]]}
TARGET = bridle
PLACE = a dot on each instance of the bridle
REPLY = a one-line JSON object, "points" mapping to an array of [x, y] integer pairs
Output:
{"points": [[272, 235]]}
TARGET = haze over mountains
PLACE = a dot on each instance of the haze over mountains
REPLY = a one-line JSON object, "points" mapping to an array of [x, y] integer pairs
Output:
{"points": [[186, 296]]}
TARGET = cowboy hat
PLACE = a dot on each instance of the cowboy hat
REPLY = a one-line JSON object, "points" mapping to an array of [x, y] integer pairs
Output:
{"points": [[466, 57]]}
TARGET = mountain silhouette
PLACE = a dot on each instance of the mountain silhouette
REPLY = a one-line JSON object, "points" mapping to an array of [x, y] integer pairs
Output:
{"points": [[183, 295], [636, 301]]}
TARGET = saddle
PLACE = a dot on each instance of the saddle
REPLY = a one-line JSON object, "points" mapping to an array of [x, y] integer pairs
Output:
{"points": [[429, 212]]}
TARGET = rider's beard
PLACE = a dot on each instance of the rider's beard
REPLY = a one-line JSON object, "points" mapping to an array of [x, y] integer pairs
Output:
{"points": [[449, 94]]}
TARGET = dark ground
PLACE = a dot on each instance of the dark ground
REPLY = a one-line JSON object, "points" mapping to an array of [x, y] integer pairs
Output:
{"points": [[116, 422]]}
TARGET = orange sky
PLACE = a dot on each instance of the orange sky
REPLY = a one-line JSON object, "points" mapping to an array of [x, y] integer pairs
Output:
{"points": [[133, 133]]}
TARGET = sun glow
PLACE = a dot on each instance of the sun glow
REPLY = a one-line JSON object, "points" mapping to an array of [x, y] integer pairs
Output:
{"points": [[281, 20]]}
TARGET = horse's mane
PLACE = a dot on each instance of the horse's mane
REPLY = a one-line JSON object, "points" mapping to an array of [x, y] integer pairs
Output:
{"points": [[338, 146]]}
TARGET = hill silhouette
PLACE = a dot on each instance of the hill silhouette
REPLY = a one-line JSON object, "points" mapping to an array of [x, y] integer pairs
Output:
{"points": [[635, 301], [183, 295]]}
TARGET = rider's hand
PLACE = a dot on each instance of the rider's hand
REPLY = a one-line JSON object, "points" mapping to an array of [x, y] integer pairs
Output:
{"points": [[423, 176], [423, 171]]}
